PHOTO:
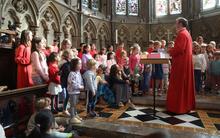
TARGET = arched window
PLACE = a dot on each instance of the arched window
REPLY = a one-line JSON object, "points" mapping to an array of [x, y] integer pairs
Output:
{"points": [[133, 7], [95, 4], [127, 7], [121, 7], [85, 3], [210, 4], [168, 7]]}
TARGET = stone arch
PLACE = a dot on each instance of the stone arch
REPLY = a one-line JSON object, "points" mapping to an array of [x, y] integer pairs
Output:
{"points": [[123, 32], [50, 19], [70, 28], [124, 35], [103, 36], [85, 37], [18, 11], [139, 35], [90, 28]]}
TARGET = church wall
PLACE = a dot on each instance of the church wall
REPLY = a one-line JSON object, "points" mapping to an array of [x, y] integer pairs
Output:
{"points": [[59, 19], [208, 27]]}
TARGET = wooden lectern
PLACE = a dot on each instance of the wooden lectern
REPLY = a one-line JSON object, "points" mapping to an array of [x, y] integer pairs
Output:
{"points": [[155, 58]]}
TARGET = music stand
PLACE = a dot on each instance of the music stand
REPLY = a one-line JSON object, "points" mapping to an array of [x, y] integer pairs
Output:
{"points": [[155, 60]]}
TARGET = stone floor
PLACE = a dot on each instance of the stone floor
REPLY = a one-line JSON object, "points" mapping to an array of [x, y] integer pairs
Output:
{"points": [[198, 121]]}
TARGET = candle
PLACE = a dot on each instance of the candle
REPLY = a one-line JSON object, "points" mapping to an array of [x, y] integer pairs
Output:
{"points": [[168, 34], [116, 36], [149, 36]]}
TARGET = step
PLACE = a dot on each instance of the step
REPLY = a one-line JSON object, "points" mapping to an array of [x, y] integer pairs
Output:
{"points": [[96, 129]]}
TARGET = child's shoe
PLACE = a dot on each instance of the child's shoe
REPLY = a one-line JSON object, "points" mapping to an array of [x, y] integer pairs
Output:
{"points": [[66, 113], [131, 105], [74, 120], [78, 117], [95, 114], [120, 104]]}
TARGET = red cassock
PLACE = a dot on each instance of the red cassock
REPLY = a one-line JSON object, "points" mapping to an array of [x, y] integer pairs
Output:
{"points": [[181, 91], [24, 68]]}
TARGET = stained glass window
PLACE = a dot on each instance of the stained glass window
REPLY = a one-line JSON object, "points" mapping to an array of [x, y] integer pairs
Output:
{"points": [[133, 7], [95, 4], [161, 7], [208, 4], [120, 7], [85, 3], [175, 6]]}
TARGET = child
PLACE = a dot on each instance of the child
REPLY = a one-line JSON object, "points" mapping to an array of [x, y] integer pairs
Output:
{"points": [[119, 84], [39, 61], [170, 44], [215, 72], [91, 87], [97, 59], [54, 81], [199, 65], [150, 49], [110, 61], [135, 68], [75, 53], [86, 57], [75, 84], [119, 51], [157, 73], [103, 92], [103, 56], [122, 60], [44, 121], [42, 104], [126, 68], [65, 45], [64, 72], [93, 50], [110, 48]]}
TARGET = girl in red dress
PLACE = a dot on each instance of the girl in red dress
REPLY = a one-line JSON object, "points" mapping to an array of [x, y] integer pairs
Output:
{"points": [[54, 87], [23, 60]]}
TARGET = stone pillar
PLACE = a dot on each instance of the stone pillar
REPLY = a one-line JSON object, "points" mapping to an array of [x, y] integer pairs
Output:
{"points": [[34, 29]]}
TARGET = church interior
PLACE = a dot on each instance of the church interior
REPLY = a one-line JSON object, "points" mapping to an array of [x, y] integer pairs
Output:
{"points": [[105, 68]]}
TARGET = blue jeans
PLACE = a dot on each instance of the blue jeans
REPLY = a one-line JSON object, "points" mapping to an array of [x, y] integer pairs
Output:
{"points": [[198, 80], [91, 101], [146, 81], [66, 98]]}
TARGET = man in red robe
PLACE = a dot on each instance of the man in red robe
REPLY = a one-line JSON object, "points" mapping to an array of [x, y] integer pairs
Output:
{"points": [[181, 91]]}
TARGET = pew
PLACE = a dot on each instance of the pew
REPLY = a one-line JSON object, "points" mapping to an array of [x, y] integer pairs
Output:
{"points": [[13, 123]]}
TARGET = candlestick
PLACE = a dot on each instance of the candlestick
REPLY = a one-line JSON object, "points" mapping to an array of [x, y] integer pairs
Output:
{"points": [[116, 36]]}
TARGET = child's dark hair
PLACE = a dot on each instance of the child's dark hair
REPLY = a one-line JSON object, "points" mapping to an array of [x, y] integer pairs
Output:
{"points": [[113, 70], [44, 120], [53, 57], [84, 49], [102, 67], [109, 55], [95, 55], [24, 35], [35, 41], [73, 64]]}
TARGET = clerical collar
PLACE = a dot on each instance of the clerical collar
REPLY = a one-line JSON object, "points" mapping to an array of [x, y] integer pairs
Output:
{"points": [[181, 29]]}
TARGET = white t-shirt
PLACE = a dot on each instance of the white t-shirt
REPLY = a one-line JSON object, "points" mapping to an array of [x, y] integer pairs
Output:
{"points": [[199, 62]]}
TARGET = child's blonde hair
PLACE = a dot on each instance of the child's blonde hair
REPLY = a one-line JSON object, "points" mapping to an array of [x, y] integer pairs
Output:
{"points": [[91, 63], [42, 103], [136, 46], [66, 53]]}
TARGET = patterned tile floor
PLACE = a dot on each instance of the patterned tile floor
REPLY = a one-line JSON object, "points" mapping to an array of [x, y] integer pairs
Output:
{"points": [[196, 121]]}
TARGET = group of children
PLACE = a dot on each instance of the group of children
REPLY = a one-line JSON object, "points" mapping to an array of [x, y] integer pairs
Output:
{"points": [[206, 59], [112, 77]]}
